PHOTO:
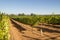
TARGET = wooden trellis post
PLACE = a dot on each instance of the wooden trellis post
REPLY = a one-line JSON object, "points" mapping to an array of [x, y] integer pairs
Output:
{"points": [[41, 31]]}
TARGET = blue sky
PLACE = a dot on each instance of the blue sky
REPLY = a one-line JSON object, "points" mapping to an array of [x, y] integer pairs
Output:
{"points": [[30, 6]]}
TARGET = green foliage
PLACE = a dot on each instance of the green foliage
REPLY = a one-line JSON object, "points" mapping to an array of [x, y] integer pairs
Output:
{"points": [[31, 20], [3, 27], [54, 20]]}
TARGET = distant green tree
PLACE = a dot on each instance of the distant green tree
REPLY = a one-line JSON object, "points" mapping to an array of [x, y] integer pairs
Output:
{"points": [[21, 14], [32, 14], [12, 14]]}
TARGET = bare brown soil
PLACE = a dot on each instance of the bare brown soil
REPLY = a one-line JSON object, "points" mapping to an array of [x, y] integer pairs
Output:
{"points": [[19, 31]]}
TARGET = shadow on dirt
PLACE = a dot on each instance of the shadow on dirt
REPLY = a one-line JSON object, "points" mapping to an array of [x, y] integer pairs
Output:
{"points": [[54, 26], [18, 26], [47, 30]]}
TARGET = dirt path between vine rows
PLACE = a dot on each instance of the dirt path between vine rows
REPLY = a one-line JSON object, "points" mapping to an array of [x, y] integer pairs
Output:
{"points": [[14, 33], [19, 31]]}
